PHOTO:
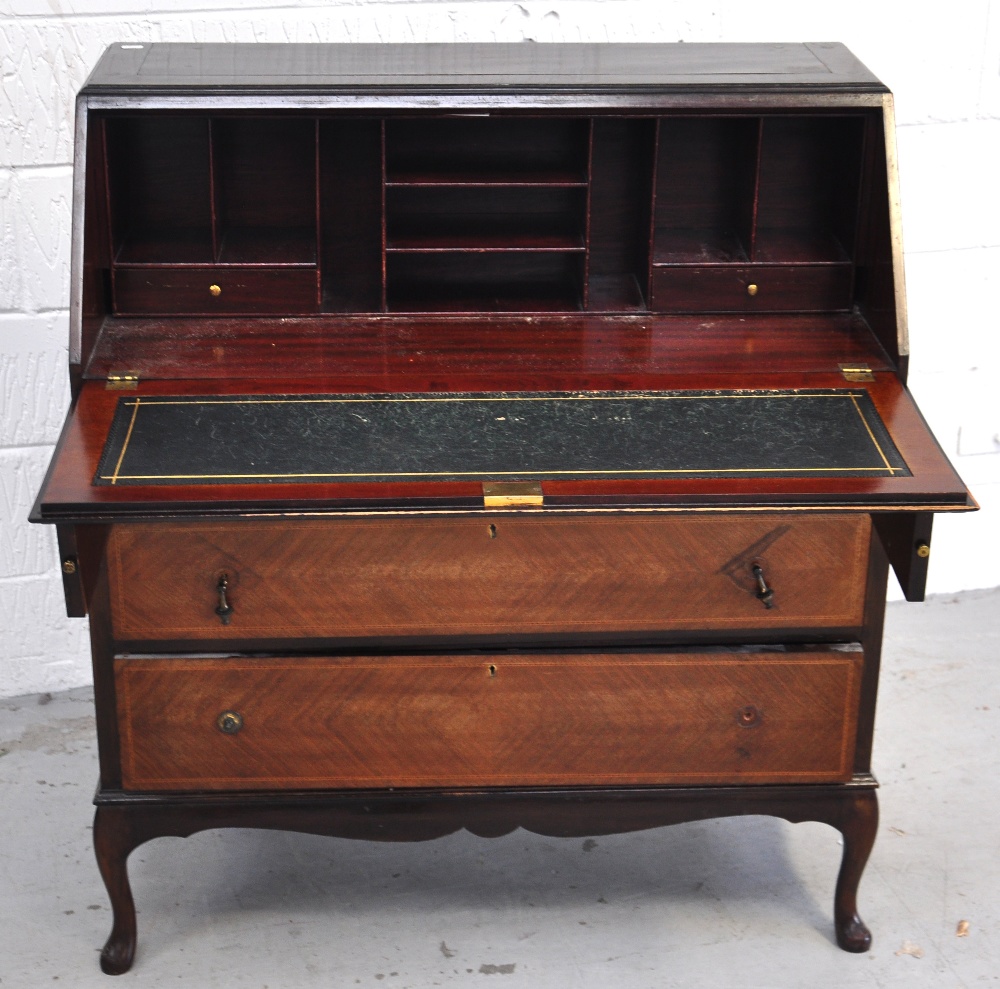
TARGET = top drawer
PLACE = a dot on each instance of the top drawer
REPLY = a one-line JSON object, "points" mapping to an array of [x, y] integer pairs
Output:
{"points": [[486, 575]]}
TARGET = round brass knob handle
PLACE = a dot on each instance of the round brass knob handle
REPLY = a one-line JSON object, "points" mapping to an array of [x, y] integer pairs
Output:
{"points": [[229, 722], [923, 550], [752, 289], [215, 291]]}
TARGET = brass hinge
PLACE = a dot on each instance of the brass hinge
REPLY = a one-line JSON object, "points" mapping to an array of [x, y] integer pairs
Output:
{"points": [[857, 372], [125, 381], [512, 494]]}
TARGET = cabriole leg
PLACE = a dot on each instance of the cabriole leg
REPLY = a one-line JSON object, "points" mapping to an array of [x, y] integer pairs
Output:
{"points": [[858, 826], [113, 841]]}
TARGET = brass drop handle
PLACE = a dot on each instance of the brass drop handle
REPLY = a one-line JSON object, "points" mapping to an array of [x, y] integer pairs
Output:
{"points": [[224, 609], [229, 722], [764, 593]]}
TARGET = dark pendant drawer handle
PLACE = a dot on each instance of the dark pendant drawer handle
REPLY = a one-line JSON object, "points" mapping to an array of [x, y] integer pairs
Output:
{"points": [[224, 609], [764, 593]]}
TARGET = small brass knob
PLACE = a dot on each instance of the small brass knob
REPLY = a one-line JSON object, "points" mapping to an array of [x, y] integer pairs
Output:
{"points": [[69, 566], [229, 722], [752, 289], [923, 550], [215, 291], [748, 717]]}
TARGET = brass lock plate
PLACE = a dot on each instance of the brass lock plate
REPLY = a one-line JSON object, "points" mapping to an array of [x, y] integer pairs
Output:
{"points": [[512, 494]]}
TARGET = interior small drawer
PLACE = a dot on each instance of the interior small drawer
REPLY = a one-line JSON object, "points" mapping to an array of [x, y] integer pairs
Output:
{"points": [[486, 576], [204, 291], [725, 716], [751, 288]]}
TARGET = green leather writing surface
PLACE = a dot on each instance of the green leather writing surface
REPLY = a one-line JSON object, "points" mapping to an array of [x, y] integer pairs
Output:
{"points": [[505, 436]]}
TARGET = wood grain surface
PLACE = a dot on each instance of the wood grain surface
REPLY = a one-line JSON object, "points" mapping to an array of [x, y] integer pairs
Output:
{"points": [[406, 576], [725, 716]]}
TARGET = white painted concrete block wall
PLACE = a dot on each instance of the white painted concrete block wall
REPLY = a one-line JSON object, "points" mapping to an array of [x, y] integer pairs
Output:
{"points": [[944, 69]]}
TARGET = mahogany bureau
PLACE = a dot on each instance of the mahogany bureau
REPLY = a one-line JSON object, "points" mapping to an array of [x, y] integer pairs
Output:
{"points": [[486, 436]]}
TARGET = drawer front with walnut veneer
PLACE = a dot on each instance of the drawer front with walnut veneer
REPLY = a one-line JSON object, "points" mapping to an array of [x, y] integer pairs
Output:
{"points": [[466, 576], [725, 716]]}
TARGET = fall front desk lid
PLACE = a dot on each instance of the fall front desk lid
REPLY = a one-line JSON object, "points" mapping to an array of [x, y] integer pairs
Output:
{"points": [[507, 436]]}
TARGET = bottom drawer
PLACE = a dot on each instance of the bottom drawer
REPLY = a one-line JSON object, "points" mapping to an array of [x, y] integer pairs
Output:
{"points": [[685, 717]]}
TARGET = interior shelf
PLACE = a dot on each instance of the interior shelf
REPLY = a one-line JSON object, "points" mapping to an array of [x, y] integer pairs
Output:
{"points": [[514, 281], [265, 190], [280, 246], [478, 218], [272, 246], [479, 179], [771, 246], [486, 232], [680, 245], [487, 150], [172, 247], [705, 190], [473, 298], [798, 246], [808, 179], [615, 293]]}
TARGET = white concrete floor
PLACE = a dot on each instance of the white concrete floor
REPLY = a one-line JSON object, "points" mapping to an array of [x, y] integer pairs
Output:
{"points": [[732, 903]]}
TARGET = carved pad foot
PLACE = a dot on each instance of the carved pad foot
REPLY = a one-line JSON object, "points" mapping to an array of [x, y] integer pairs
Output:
{"points": [[118, 952], [853, 935]]}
